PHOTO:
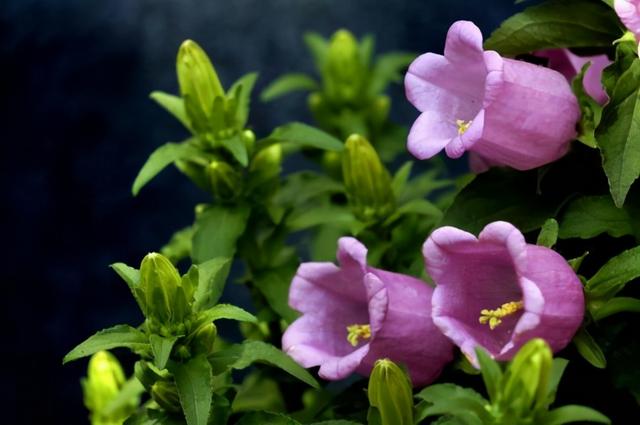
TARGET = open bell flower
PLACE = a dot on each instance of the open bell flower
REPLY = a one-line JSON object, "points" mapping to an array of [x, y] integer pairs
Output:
{"points": [[570, 65], [498, 292], [354, 314], [507, 112]]}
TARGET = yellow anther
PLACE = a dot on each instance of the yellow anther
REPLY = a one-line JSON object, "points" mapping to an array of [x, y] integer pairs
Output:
{"points": [[463, 126], [494, 317], [355, 332]]}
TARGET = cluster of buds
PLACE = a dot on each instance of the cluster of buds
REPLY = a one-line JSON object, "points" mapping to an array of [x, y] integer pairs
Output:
{"points": [[349, 101]]}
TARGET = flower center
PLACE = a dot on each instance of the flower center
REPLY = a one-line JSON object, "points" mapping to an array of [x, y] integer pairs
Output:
{"points": [[463, 126], [494, 317], [355, 332]]}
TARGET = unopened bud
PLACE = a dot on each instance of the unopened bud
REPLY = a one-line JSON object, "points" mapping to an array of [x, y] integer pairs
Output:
{"points": [[248, 137], [344, 68], [204, 339], [379, 112], [165, 393], [226, 182], [165, 299], [267, 162], [390, 394], [366, 180], [199, 84], [527, 378], [104, 381]]}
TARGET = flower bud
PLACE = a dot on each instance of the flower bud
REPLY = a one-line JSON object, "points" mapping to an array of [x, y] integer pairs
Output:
{"points": [[527, 378], [165, 298], [104, 381], [267, 162], [366, 180], [248, 137], [199, 85], [204, 339], [390, 394], [344, 69], [379, 111], [226, 182], [165, 393]]}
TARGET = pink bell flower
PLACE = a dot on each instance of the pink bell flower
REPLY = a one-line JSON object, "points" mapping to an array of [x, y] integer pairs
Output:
{"points": [[354, 314], [508, 112], [498, 292]]}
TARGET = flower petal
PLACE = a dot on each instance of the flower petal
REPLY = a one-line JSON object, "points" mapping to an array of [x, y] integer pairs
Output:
{"points": [[430, 134]]}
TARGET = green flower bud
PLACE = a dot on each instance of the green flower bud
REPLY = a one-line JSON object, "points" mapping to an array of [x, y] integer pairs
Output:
{"points": [[527, 378], [165, 393], [226, 182], [167, 302], [248, 137], [366, 180], [344, 70], [104, 381], [267, 163], [379, 112], [390, 394], [199, 85], [204, 339]]}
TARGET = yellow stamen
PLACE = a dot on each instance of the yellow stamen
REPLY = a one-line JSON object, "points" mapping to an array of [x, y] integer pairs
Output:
{"points": [[355, 332], [494, 317], [463, 126]]}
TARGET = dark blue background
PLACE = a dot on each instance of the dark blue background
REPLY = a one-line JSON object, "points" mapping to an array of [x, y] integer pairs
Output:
{"points": [[77, 124]]}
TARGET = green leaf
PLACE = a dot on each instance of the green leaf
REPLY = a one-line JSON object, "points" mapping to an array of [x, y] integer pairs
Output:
{"points": [[274, 285], [301, 187], [227, 311], [212, 276], [317, 46], [557, 370], [416, 206], [388, 68], [174, 105], [161, 348], [336, 422], [574, 413], [266, 418], [160, 159], [590, 216], [618, 134], [591, 111], [615, 274], [241, 92], [303, 135], [548, 235], [496, 195], [216, 231], [614, 306], [288, 83], [179, 246], [323, 214], [243, 355], [400, 178], [556, 24], [453, 400], [118, 336], [589, 349], [491, 373], [237, 149], [132, 277], [258, 392], [193, 380]]}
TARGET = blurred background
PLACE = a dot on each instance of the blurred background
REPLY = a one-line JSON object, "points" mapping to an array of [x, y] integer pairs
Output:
{"points": [[77, 125]]}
